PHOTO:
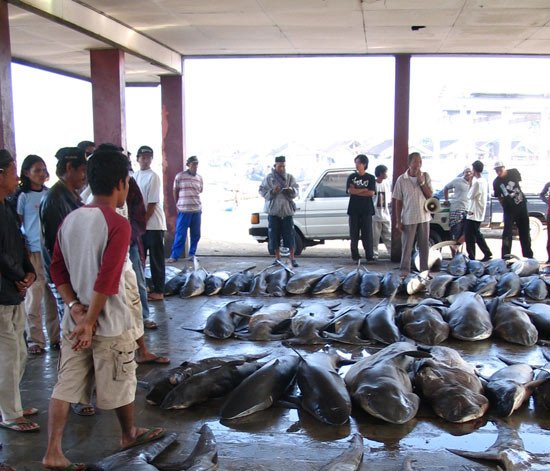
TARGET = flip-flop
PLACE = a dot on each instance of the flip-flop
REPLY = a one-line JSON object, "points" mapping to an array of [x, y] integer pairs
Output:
{"points": [[84, 410], [16, 426], [30, 411], [157, 360], [70, 467], [148, 436], [151, 325]]}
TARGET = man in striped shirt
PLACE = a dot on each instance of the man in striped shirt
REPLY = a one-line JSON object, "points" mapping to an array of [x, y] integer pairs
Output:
{"points": [[187, 189]]}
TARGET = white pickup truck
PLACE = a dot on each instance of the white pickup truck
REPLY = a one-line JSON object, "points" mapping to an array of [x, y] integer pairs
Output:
{"points": [[321, 214]]}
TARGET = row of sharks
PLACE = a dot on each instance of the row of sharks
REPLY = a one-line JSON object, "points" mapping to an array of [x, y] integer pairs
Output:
{"points": [[493, 278]]}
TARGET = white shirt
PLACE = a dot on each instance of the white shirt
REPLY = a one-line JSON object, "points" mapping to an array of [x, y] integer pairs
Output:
{"points": [[477, 199], [381, 199], [149, 184]]}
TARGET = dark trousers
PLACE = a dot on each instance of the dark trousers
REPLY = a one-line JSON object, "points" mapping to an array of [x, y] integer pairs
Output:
{"points": [[521, 218], [153, 245], [280, 227], [360, 227], [473, 236], [548, 234]]}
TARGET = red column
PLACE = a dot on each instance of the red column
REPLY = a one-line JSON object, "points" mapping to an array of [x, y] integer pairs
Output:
{"points": [[108, 97], [173, 144], [400, 135], [7, 126]]}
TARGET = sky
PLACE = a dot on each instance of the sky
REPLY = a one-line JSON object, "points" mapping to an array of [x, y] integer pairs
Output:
{"points": [[255, 105]]}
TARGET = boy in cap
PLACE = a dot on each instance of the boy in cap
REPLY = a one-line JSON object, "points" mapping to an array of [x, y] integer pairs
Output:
{"points": [[153, 239], [16, 276], [187, 189], [514, 206], [279, 190]]}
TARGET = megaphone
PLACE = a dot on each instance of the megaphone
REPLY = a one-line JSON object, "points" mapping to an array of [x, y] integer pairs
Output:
{"points": [[432, 205]]}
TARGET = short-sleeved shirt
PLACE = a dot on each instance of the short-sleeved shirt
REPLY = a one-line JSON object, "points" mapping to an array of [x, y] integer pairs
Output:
{"points": [[28, 205], [93, 261], [409, 192], [477, 199], [189, 188], [508, 190], [381, 201], [460, 197], [361, 204], [149, 184]]}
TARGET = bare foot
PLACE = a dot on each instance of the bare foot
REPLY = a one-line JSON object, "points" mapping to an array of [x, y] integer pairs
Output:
{"points": [[150, 357]]}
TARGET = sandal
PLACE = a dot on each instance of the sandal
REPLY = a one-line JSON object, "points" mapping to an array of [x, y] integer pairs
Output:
{"points": [[151, 325], [147, 436], [35, 349], [84, 410], [21, 426]]}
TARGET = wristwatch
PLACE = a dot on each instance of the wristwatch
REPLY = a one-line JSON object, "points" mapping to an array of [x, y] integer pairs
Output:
{"points": [[72, 303]]}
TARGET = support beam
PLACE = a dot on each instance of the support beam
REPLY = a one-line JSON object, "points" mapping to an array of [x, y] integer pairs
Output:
{"points": [[108, 96], [400, 136], [82, 18], [173, 144], [7, 125]]}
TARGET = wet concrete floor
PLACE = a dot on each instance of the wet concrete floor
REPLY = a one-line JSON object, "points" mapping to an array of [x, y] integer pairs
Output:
{"points": [[278, 438]]}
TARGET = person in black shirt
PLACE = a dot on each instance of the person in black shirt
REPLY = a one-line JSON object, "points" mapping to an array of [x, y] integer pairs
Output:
{"points": [[16, 276], [544, 197], [361, 186], [514, 206]]}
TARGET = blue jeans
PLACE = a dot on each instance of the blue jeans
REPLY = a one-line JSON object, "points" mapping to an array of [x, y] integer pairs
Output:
{"points": [[185, 222], [140, 275], [280, 227]]}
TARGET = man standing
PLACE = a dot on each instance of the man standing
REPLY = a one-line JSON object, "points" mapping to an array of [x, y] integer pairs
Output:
{"points": [[187, 189], [153, 239], [279, 190], [361, 187], [381, 221], [459, 203], [477, 204], [98, 344], [411, 191], [514, 206], [16, 276]]}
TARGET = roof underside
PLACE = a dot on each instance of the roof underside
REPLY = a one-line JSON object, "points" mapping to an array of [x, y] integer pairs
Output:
{"points": [[57, 34]]}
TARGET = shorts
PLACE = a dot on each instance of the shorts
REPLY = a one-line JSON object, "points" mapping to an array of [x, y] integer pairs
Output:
{"points": [[109, 363]]}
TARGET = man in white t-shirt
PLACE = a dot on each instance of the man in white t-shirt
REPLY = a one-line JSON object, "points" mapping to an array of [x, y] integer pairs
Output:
{"points": [[381, 221], [153, 239], [477, 203]]}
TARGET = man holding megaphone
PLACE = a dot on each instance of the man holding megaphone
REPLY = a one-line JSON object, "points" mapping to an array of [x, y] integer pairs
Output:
{"points": [[411, 191]]}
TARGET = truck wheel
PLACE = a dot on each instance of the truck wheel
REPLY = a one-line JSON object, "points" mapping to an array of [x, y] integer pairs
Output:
{"points": [[535, 227], [298, 246], [298, 243], [434, 237]]}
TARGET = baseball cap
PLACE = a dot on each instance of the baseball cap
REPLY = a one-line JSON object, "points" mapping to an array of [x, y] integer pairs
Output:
{"points": [[144, 150], [498, 164]]}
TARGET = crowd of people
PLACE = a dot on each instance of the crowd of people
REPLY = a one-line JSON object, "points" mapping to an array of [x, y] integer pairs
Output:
{"points": [[370, 217], [91, 283]]}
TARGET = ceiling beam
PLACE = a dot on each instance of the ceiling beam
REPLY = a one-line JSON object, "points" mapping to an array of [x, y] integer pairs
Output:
{"points": [[105, 29]]}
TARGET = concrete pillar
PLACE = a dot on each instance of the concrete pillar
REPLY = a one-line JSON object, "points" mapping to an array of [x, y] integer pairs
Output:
{"points": [[400, 136], [173, 145], [108, 96], [7, 126]]}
